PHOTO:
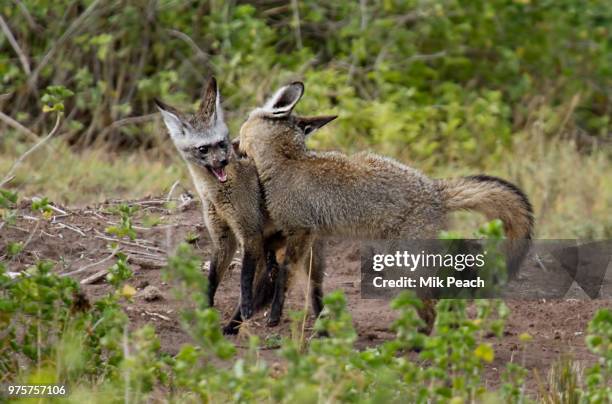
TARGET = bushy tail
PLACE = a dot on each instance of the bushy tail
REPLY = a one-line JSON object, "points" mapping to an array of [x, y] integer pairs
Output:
{"points": [[496, 199]]}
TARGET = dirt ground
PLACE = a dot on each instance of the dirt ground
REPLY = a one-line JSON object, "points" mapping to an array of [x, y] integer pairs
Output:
{"points": [[76, 239]]}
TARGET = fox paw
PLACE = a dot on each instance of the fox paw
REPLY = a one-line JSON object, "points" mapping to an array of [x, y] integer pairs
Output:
{"points": [[246, 310], [231, 329]]}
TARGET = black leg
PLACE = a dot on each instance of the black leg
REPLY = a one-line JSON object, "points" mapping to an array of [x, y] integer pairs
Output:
{"points": [[317, 300], [213, 281], [263, 291], [279, 296], [249, 265], [317, 272], [232, 327]]}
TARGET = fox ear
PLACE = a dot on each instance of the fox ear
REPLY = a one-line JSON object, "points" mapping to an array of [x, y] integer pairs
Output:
{"points": [[210, 107], [236, 147], [310, 124], [172, 118], [284, 100]]}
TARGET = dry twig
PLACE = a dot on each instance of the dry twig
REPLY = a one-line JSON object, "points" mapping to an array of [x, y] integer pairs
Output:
{"points": [[17, 126], [22, 56], [16, 164], [86, 267]]}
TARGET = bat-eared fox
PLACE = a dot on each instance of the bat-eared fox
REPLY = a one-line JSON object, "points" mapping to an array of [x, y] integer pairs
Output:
{"points": [[317, 194], [233, 207]]}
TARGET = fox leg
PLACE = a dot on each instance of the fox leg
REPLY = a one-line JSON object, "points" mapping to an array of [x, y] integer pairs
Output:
{"points": [[253, 258], [316, 267], [224, 247], [296, 251], [263, 288]]}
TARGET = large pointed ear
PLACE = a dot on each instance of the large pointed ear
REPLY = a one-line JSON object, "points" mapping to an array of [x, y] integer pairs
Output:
{"points": [[210, 107], [284, 100], [309, 124], [172, 118]]}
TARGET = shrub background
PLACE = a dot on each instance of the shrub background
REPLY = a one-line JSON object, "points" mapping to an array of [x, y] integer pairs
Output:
{"points": [[519, 89], [516, 88]]}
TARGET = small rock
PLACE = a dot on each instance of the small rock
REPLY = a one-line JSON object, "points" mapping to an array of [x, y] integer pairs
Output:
{"points": [[151, 293]]}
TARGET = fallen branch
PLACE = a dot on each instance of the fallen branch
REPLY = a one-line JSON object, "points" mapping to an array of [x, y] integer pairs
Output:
{"points": [[161, 316], [53, 208], [146, 263], [145, 254], [58, 210], [86, 267], [95, 277], [116, 240], [74, 229], [16, 164]]}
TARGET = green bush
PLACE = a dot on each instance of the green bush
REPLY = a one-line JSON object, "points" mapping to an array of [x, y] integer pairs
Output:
{"points": [[427, 80], [51, 335]]}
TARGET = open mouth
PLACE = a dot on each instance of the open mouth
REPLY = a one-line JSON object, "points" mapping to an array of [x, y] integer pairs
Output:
{"points": [[219, 173]]}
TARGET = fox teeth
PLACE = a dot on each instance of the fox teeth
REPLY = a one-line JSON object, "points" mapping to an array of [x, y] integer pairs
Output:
{"points": [[220, 174]]}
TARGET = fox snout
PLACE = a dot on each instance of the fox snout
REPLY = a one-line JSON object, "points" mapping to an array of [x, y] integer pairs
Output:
{"points": [[217, 168], [216, 163]]}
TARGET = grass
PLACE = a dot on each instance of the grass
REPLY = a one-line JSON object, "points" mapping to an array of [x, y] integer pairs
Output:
{"points": [[90, 176], [570, 190]]}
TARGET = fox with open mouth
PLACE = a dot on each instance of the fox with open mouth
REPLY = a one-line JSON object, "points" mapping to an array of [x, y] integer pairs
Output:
{"points": [[233, 205]]}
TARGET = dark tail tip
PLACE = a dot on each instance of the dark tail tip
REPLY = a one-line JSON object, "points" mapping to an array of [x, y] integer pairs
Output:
{"points": [[516, 191], [516, 249]]}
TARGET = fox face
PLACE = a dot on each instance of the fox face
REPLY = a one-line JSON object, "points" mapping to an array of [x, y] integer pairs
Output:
{"points": [[202, 138], [274, 125]]}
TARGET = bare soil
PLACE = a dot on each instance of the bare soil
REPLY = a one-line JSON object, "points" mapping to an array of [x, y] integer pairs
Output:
{"points": [[76, 239]]}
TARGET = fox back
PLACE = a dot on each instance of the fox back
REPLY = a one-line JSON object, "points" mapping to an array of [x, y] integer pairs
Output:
{"points": [[365, 195], [333, 194]]}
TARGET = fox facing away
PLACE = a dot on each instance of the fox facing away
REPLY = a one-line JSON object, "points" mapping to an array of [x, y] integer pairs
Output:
{"points": [[233, 205], [312, 193]]}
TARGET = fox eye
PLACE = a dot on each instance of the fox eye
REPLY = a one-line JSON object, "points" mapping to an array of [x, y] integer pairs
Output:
{"points": [[203, 149]]}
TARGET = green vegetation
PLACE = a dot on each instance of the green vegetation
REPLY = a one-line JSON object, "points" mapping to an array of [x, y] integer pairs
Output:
{"points": [[52, 335], [514, 88], [448, 80], [124, 227]]}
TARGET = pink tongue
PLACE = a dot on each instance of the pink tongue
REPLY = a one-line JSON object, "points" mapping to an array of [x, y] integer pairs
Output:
{"points": [[220, 174]]}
